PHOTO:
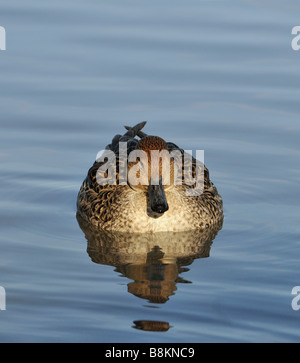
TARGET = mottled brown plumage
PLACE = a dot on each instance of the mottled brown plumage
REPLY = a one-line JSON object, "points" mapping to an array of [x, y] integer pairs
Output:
{"points": [[131, 208]]}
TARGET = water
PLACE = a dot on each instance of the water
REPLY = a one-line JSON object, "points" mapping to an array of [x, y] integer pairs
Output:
{"points": [[214, 75]]}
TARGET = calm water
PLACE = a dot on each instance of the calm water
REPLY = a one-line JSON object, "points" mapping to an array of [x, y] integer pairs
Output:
{"points": [[214, 75]]}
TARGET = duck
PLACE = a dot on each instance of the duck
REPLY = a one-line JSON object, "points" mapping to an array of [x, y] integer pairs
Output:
{"points": [[143, 184]]}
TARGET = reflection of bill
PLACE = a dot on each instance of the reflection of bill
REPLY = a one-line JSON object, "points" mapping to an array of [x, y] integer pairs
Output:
{"points": [[151, 325], [2, 38], [2, 298]]}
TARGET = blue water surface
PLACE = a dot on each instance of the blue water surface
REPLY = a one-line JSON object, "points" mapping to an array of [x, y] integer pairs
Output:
{"points": [[220, 76]]}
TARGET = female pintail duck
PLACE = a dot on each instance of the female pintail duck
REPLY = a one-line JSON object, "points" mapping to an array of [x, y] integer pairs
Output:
{"points": [[150, 197]]}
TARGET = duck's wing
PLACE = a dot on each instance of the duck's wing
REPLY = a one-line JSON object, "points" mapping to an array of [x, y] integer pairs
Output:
{"points": [[137, 129], [117, 163], [189, 169], [128, 137]]}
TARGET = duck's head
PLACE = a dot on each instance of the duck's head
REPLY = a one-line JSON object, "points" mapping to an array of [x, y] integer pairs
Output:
{"points": [[150, 170]]}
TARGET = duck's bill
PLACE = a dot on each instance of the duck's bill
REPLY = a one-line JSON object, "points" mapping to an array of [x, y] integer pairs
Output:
{"points": [[157, 196]]}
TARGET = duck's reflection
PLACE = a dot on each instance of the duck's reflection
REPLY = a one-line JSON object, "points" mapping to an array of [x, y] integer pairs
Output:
{"points": [[152, 261]]}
